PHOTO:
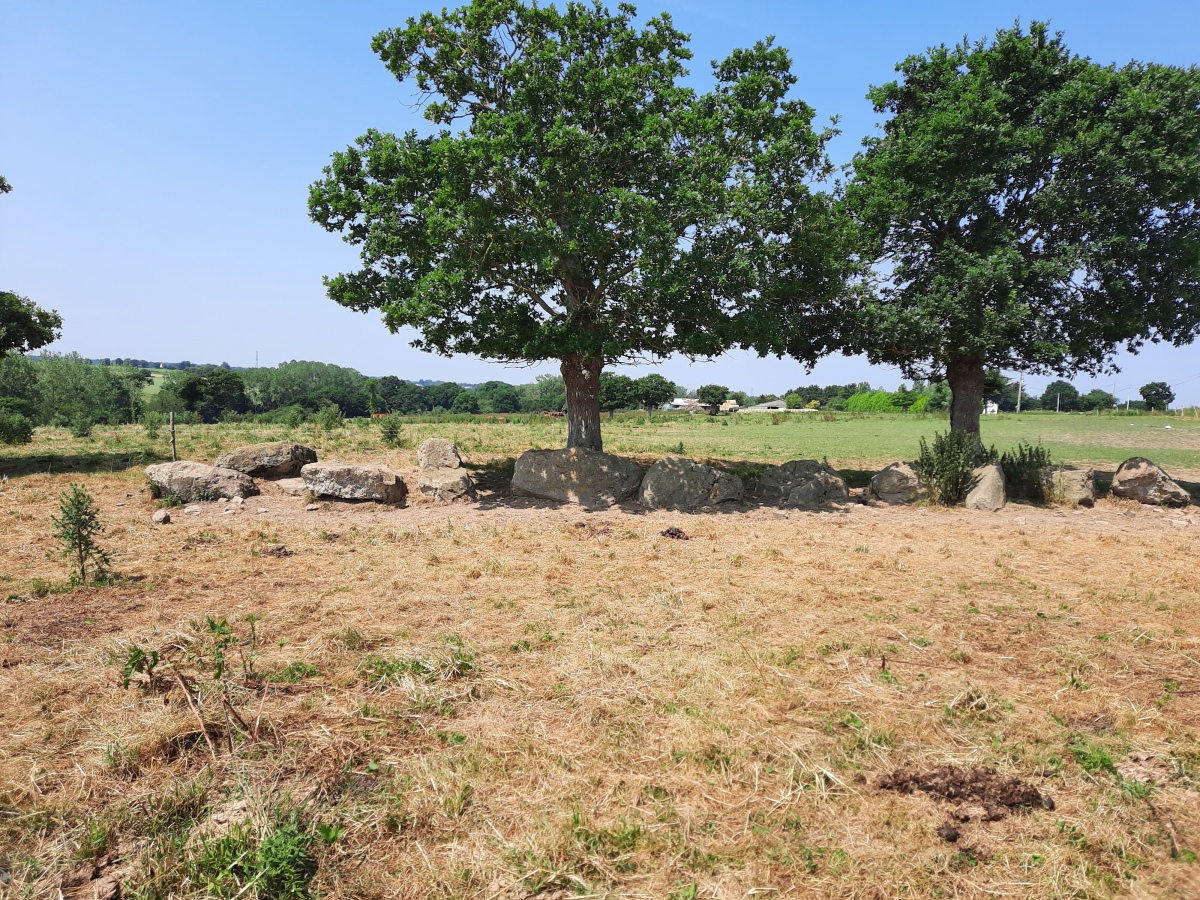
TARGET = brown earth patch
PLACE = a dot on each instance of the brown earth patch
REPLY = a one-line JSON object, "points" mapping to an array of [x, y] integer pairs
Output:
{"points": [[984, 787]]}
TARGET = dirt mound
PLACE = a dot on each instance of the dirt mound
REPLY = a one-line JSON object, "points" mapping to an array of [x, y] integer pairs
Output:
{"points": [[675, 533], [980, 787]]}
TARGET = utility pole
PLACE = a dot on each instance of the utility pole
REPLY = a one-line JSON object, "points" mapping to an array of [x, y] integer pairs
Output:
{"points": [[1020, 385], [1058, 401]]}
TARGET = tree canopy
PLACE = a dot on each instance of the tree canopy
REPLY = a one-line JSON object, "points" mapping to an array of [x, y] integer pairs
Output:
{"points": [[24, 325], [580, 203], [1029, 210], [1157, 394]]}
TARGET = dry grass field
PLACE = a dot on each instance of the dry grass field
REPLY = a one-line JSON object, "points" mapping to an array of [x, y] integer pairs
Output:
{"points": [[514, 699]]}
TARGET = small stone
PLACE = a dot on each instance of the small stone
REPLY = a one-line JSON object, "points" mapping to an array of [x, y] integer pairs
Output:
{"points": [[260, 510], [229, 512], [1180, 523], [193, 510], [294, 487], [948, 833], [222, 499], [237, 501], [162, 517], [312, 507], [1020, 520]]}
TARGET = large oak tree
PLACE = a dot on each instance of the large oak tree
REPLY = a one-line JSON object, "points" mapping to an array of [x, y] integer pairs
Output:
{"points": [[1029, 210], [579, 203]]}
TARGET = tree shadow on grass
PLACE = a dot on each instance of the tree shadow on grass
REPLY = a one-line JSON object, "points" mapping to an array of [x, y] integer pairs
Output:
{"points": [[75, 463]]}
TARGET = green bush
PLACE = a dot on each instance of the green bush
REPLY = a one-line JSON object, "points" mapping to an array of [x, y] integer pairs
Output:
{"points": [[291, 416], [1023, 471], [946, 467], [81, 426], [152, 424], [389, 430], [15, 429], [329, 417]]}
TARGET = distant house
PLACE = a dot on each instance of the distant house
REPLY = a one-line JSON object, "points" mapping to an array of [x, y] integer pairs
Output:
{"points": [[769, 406], [991, 408], [729, 406]]}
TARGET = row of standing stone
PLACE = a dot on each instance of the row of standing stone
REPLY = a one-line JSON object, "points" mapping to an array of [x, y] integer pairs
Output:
{"points": [[596, 479], [296, 470]]}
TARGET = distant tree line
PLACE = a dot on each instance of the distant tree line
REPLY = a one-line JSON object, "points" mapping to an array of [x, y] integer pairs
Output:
{"points": [[69, 390]]}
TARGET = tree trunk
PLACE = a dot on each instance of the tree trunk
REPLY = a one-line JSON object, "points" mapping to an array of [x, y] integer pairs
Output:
{"points": [[966, 393], [581, 378]]}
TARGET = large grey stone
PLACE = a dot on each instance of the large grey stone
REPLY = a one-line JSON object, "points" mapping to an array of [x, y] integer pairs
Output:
{"points": [[1074, 487], [591, 478], [279, 459], [895, 485], [191, 481], [675, 483], [811, 483], [445, 484], [438, 453], [354, 481], [821, 490], [1141, 480], [987, 491]]}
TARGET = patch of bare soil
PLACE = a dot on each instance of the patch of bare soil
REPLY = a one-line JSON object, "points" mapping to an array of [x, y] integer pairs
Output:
{"points": [[986, 788]]}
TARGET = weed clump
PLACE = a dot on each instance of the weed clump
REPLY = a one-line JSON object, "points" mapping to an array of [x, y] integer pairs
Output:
{"points": [[946, 467], [276, 864], [1023, 469]]}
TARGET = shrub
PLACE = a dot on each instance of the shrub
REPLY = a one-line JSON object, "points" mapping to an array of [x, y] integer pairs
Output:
{"points": [[15, 429], [389, 430], [291, 416], [81, 426], [329, 417], [946, 467], [793, 400], [1023, 471], [152, 423], [76, 528]]}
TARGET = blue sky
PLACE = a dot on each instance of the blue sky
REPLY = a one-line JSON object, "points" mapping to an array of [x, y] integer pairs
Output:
{"points": [[161, 153]]}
